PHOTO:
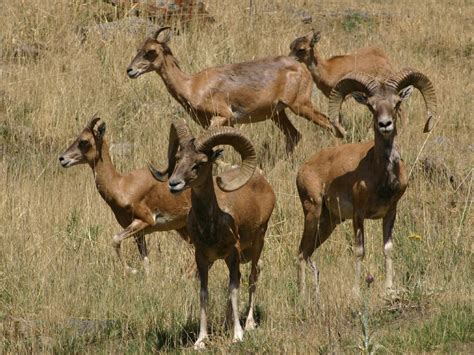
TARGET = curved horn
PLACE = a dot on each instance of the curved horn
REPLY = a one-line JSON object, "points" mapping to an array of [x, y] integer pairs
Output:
{"points": [[182, 130], [348, 84], [408, 76], [158, 31], [230, 136], [179, 131], [93, 121]]}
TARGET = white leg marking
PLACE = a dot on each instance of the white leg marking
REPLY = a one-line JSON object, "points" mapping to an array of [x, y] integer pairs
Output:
{"points": [[199, 344], [234, 299]]}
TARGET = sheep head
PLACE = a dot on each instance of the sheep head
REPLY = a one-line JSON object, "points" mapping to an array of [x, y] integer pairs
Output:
{"points": [[302, 47], [86, 147], [150, 56], [193, 157], [383, 98]]}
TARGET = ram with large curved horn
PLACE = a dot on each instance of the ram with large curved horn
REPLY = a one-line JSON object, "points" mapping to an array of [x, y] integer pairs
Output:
{"points": [[229, 215], [359, 181]]}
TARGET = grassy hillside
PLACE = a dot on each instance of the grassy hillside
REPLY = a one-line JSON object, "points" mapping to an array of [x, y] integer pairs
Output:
{"points": [[62, 288]]}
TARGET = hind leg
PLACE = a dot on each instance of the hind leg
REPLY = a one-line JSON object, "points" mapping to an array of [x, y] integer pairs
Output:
{"points": [[292, 136], [318, 226], [306, 110], [253, 278], [143, 250], [135, 227]]}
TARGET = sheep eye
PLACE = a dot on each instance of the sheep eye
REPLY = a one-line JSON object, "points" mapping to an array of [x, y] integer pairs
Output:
{"points": [[150, 55], [195, 167], [83, 144]]}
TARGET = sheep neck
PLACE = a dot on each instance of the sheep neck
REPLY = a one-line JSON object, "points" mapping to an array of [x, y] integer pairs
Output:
{"points": [[206, 209], [387, 159], [318, 68], [176, 81], [104, 173]]}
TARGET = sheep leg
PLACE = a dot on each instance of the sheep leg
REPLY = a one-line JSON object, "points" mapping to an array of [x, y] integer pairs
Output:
{"points": [[312, 212], [233, 264], [203, 269], [219, 121], [143, 250], [136, 226], [388, 223], [359, 251], [307, 111], [292, 136], [253, 278], [317, 229]]}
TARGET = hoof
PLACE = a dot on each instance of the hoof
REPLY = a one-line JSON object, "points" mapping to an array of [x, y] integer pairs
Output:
{"points": [[131, 271], [199, 345], [238, 337], [250, 324]]}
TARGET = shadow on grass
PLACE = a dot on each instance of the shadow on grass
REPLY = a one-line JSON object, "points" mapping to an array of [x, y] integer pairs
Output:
{"points": [[168, 339]]}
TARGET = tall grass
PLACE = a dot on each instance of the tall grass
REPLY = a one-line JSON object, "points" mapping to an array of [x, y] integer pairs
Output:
{"points": [[62, 288]]}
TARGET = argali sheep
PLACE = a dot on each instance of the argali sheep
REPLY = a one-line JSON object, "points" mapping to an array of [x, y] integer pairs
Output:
{"points": [[229, 215], [141, 204], [234, 93], [359, 181]]}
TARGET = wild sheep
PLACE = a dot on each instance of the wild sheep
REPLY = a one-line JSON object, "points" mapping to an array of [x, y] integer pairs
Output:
{"points": [[327, 72], [234, 93], [229, 215], [359, 181], [140, 204]]}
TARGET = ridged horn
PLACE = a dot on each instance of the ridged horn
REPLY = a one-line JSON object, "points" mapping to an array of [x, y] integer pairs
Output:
{"points": [[230, 136], [348, 84], [179, 132], [158, 31], [93, 121], [182, 130], [409, 76]]}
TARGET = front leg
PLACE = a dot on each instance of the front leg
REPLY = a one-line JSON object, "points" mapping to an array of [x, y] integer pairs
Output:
{"points": [[136, 226], [359, 251], [143, 250], [233, 263], [388, 223], [203, 269]]}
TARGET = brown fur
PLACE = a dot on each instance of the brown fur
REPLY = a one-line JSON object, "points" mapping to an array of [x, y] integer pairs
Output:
{"points": [[353, 181], [327, 72], [235, 93], [141, 204], [223, 225]]}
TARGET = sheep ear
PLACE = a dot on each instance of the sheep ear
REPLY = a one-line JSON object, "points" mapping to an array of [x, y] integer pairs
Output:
{"points": [[101, 130], [405, 93], [360, 97], [315, 39], [165, 36], [216, 154]]}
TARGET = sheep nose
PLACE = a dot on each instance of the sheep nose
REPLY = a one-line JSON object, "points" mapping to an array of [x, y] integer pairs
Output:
{"points": [[173, 183], [176, 185], [385, 124]]}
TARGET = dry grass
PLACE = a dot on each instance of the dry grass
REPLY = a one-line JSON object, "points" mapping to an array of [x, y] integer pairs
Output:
{"points": [[57, 267]]}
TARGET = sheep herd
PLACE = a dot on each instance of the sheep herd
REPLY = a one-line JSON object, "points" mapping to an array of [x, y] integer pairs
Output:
{"points": [[226, 217]]}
